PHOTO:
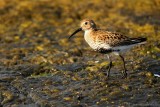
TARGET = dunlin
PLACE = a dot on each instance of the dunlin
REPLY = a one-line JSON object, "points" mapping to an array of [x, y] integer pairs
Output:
{"points": [[107, 42]]}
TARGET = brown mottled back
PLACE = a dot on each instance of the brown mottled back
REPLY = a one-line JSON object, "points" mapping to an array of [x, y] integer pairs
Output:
{"points": [[111, 38]]}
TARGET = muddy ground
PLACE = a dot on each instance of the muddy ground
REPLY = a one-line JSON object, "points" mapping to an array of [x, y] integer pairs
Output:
{"points": [[39, 66]]}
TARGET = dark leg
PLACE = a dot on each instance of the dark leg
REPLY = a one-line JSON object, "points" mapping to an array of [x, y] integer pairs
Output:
{"points": [[124, 67], [110, 66]]}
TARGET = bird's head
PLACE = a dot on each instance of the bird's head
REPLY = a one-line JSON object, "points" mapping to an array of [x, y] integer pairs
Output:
{"points": [[85, 25]]}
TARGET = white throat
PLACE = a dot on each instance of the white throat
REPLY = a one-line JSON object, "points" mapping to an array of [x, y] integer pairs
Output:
{"points": [[87, 32], [88, 38]]}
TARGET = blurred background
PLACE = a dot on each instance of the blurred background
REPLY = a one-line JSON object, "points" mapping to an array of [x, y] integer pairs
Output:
{"points": [[34, 46], [39, 25]]}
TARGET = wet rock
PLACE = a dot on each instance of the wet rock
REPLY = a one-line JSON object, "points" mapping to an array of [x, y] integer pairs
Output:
{"points": [[25, 105], [8, 75], [38, 100], [71, 67], [27, 70]]}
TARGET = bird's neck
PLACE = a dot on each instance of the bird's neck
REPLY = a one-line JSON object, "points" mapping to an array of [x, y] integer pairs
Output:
{"points": [[87, 32], [90, 38]]}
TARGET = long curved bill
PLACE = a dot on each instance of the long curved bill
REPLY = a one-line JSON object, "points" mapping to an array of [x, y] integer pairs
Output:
{"points": [[78, 30]]}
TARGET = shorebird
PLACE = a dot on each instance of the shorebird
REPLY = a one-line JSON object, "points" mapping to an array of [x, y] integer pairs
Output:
{"points": [[107, 42]]}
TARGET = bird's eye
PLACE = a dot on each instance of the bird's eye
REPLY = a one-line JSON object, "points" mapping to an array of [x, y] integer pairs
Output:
{"points": [[86, 23]]}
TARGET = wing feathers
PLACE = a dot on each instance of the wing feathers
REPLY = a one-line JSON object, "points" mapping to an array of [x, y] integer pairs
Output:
{"points": [[116, 39]]}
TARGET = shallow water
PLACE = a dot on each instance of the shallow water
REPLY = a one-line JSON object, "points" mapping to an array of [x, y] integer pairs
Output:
{"points": [[39, 66]]}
